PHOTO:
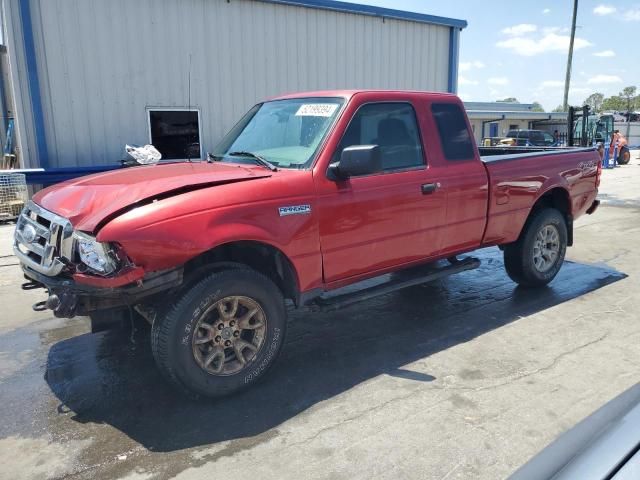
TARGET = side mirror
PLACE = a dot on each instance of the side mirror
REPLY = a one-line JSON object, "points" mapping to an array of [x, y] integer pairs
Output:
{"points": [[356, 160]]}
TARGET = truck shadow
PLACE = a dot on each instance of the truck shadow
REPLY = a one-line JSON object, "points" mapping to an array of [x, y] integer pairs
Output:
{"points": [[107, 379]]}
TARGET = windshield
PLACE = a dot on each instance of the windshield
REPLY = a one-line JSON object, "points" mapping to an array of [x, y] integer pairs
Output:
{"points": [[287, 133]]}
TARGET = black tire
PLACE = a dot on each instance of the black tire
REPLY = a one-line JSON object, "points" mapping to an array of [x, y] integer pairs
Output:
{"points": [[624, 156], [175, 333], [519, 256]]}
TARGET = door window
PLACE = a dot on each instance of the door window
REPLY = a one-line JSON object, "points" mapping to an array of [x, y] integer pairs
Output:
{"points": [[548, 139], [391, 126], [536, 138]]}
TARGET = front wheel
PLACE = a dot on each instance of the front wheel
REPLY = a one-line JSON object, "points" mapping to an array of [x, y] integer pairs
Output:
{"points": [[222, 335], [535, 259]]}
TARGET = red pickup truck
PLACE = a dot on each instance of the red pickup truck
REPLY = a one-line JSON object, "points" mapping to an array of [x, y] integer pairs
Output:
{"points": [[307, 194]]}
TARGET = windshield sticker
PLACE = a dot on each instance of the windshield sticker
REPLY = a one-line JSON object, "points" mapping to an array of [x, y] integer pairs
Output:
{"points": [[316, 110]]}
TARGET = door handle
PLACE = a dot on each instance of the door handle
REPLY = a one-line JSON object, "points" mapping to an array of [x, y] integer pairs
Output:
{"points": [[428, 188]]}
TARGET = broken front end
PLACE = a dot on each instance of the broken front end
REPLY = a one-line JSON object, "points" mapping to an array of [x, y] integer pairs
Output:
{"points": [[81, 275]]}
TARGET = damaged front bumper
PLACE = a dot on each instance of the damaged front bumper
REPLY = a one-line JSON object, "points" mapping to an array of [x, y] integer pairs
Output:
{"points": [[68, 298]]}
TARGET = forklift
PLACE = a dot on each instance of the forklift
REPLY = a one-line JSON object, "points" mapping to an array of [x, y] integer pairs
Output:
{"points": [[592, 130]]}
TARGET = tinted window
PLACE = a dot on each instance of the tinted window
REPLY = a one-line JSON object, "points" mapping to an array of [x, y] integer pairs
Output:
{"points": [[391, 126], [548, 138], [537, 137], [454, 135]]}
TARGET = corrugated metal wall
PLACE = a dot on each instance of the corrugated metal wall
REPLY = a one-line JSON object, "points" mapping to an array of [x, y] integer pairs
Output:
{"points": [[103, 63]]}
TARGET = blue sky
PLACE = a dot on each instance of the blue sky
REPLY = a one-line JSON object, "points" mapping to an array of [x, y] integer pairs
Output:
{"points": [[519, 48]]}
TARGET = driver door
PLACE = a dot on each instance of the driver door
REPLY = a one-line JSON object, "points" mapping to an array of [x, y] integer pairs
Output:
{"points": [[371, 223]]}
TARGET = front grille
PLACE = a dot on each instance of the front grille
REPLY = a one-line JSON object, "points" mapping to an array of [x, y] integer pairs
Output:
{"points": [[43, 240]]}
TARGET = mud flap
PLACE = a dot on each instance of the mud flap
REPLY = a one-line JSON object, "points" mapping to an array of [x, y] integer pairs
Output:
{"points": [[112, 318]]}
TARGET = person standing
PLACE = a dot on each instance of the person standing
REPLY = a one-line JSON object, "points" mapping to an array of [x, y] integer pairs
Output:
{"points": [[619, 148]]}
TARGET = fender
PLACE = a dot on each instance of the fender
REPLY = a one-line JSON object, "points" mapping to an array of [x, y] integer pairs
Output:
{"points": [[515, 194], [559, 198], [153, 242]]}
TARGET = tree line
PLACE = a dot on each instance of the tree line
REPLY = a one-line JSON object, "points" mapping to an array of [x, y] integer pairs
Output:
{"points": [[535, 106], [627, 100]]}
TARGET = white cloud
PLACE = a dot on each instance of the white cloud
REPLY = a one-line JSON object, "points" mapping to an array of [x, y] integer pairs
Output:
{"points": [[462, 80], [604, 79], [520, 29], [604, 10], [548, 30], [551, 42], [632, 15], [580, 90], [464, 96], [546, 11], [605, 53], [552, 84], [466, 66], [498, 81]]}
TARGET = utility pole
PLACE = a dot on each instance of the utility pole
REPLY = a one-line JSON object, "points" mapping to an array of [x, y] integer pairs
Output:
{"points": [[567, 80], [628, 116]]}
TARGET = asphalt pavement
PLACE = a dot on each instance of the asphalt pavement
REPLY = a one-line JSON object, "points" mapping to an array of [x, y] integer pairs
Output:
{"points": [[464, 378]]}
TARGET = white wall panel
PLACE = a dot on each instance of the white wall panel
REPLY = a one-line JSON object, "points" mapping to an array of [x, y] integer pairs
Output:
{"points": [[103, 63]]}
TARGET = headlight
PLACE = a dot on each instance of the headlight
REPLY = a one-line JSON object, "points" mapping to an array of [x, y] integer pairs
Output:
{"points": [[94, 254]]}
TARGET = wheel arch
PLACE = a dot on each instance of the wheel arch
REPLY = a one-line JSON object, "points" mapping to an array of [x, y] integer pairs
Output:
{"points": [[558, 198], [257, 255]]}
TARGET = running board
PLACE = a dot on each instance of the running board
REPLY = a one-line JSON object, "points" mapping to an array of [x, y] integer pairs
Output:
{"points": [[397, 281]]}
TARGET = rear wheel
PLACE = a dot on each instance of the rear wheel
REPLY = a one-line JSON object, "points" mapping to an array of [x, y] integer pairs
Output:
{"points": [[535, 259], [222, 335]]}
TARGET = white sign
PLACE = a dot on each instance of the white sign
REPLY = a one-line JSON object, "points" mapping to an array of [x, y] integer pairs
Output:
{"points": [[316, 110]]}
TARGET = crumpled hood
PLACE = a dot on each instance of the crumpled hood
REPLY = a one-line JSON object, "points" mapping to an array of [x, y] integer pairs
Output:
{"points": [[89, 200]]}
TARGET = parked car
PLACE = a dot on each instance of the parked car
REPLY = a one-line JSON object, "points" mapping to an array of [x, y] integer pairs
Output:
{"points": [[603, 446], [529, 138], [307, 194]]}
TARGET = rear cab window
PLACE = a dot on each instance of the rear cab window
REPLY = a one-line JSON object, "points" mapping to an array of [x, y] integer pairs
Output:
{"points": [[455, 138]]}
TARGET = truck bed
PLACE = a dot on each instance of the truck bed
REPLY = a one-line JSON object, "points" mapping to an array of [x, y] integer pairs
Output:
{"points": [[489, 154], [514, 188]]}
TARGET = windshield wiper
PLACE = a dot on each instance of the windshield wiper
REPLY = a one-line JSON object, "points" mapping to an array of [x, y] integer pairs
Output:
{"points": [[213, 158], [259, 160]]}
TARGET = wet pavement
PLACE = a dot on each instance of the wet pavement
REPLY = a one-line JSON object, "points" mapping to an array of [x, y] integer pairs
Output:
{"points": [[463, 378]]}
